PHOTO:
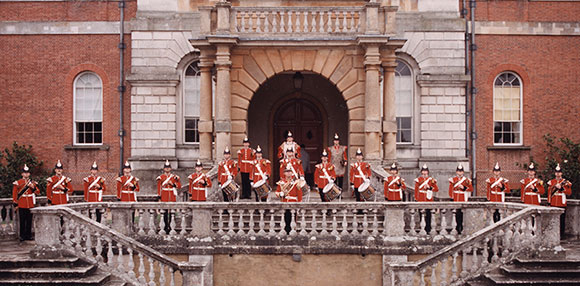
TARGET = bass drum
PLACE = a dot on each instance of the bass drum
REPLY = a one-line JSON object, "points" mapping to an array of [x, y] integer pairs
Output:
{"points": [[262, 189], [231, 189], [366, 191], [331, 192]]}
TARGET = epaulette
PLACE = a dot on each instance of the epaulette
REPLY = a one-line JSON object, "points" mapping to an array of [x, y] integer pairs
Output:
{"points": [[86, 179], [434, 180], [417, 180], [450, 180], [505, 180], [522, 181], [158, 178], [331, 167], [177, 177], [119, 180], [549, 183], [49, 179], [136, 179], [68, 180], [352, 165], [488, 180], [541, 182], [15, 183], [190, 176], [267, 161]]}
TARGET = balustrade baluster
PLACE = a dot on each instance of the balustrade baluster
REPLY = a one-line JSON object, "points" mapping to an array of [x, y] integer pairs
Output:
{"points": [[365, 225], [532, 225], [453, 223], [141, 269], [99, 248], [120, 260], [231, 222], [517, 236], [250, 21], [172, 223], [305, 29], [474, 259], [495, 248], [344, 225], [334, 223], [243, 21], [251, 225], [354, 223], [321, 21], [422, 223], [171, 277], [443, 222], [336, 22], [258, 22], [77, 238], [241, 222], [443, 275], [353, 22], [328, 21], [292, 223], [151, 271], [92, 214], [412, 230], [290, 28], [464, 262], [151, 230], [141, 224], [67, 233], [161, 273], [131, 264], [282, 22], [88, 242], [274, 22], [485, 253], [282, 223], [298, 23], [236, 22], [344, 26], [507, 241], [313, 22], [267, 22], [220, 222], [454, 267], [323, 224], [433, 222], [162, 222], [422, 280], [110, 260], [303, 222], [271, 231], [183, 215], [433, 277], [313, 223], [262, 224]]}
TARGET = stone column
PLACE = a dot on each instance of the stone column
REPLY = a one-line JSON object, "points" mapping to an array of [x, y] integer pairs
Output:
{"points": [[47, 230], [389, 108], [372, 103], [223, 120], [206, 62]]}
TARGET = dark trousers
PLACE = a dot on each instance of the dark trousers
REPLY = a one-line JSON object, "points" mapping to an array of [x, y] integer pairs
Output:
{"points": [[25, 224], [167, 220], [562, 224], [357, 195], [427, 220], [459, 220], [97, 214], [226, 199], [322, 198], [288, 221], [339, 181], [246, 187], [258, 199], [496, 216]]}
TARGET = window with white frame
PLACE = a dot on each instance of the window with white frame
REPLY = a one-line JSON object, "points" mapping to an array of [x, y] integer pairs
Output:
{"points": [[191, 90], [404, 102], [88, 109], [507, 109]]}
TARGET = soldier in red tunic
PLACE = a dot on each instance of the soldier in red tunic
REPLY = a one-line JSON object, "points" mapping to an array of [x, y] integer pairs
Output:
{"points": [[394, 185], [227, 171], [296, 165], [58, 186], [246, 157], [167, 186], [94, 186], [558, 189], [288, 144], [497, 186], [198, 183], [324, 174], [425, 186], [360, 172], [127, 185], [532, 187], [24, 193], [288, 191], [337, 155], [261, 170], [460, 188]]}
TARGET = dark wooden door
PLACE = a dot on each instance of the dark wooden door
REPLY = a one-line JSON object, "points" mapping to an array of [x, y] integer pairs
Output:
{"points": [[304, 120]]}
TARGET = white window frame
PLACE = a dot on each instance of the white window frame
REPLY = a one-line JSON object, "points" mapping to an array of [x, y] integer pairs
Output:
{"points": [[521, 143], [412, 105], [75, 109], [183, 116]]}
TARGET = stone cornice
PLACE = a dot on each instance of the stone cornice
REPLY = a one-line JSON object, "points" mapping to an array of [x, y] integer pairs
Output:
{"points": [[427, 80]]}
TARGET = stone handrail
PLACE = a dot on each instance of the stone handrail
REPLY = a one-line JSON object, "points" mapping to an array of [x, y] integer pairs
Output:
{"points": [[297, 20], [63, 229], [531, 228]]}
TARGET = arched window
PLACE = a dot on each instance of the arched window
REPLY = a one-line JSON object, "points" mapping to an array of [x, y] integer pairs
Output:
{"points": [[404, 102], [507, 109], [88, 109], [191, 86]]}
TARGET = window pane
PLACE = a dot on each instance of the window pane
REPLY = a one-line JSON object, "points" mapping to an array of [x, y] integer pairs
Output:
{"points": [[88, 105], [191, 130]]}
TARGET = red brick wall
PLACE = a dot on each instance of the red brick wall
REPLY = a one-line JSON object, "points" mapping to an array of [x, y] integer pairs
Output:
{"points": [[65, 11], [526, 11], [37, 96], [550, 74]]}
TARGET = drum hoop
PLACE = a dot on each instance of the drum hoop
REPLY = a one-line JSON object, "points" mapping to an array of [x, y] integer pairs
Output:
{"points": [[363, 187], [327, 188], [259, 183]]}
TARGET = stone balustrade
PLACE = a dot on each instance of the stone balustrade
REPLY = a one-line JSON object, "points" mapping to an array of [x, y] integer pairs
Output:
{"points": [[530, 229], [297, 20], [63, 231]]}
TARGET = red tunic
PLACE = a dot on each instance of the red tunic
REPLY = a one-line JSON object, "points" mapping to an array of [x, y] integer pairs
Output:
{"points": [[57, 189], [320, 178], [394, 186], [460, 188], [296, 164], [422, 188], [285, 146], [225, 168], [294, 195], [496, 189], [167, 187], [557, 198], [28, 199], [531, 191], [264, 165], [94, 188], [197, 184], [246, 157], [355, 175], [126, 192]]}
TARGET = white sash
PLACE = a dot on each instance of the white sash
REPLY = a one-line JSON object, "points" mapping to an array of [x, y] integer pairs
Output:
{"points": [[531, 183], [294, 171], [167, 181], [59, 182], [496, 183], [394, 180], [99, 191], [227, 168], [361, 173], [260, 171], [197, 179], [429, 192], [326, 174], [459, 182], [397, 190]]}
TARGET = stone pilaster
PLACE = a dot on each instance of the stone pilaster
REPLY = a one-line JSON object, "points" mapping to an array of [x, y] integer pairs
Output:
{"points": [[372, 103], [389, 109], [206, 62], [223, 123]]}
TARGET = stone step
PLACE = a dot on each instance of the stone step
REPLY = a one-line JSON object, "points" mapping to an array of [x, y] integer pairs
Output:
{"points": [[552, 263], [48, 272], [26, 261], [499, 279], [96, 279], [480, 281], [545, 271]]}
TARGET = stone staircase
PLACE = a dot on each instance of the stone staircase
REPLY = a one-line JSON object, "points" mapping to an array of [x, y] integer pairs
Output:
{"points": [[17, 267], [559, 269]]}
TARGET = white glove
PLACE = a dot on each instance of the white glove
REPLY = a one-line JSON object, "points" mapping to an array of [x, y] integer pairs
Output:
{"points": [[302, 178], [229, 177], [367, 180], [252, 184], [331, 181]]}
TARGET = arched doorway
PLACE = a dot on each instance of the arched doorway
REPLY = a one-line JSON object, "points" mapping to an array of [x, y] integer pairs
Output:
{"points": [[305, 118]]}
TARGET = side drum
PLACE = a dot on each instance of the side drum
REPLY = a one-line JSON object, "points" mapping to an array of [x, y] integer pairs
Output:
{"points": [[366, 191], [231, 189], [262, 189], [331, 192]]}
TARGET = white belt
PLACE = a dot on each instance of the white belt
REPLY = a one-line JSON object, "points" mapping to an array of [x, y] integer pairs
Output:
{"points": [[359, 176], [29, 195], [531, 193], [291, 198], [423, 191], [127, 192], [167, 189], [58, 192], [200, 189], [497, 192], [94, 191], [394, 190], [246, 161]]}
